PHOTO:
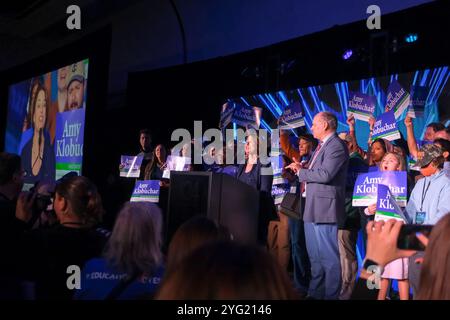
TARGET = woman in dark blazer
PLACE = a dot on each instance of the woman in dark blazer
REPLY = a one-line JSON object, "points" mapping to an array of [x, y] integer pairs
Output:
{"points": [[250, 171], [259, 176], [38, 156]]}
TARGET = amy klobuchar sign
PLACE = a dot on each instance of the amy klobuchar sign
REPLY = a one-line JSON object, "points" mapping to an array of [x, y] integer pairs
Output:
{"points": [[226, 115], [69, 138], [366, 187], [418, 101], [146, 191], [361, 106], [246, 116], [130, 166], [386, 127], [292, 117], [387, 208], [397, 99], [279, 191], [277, 167]]}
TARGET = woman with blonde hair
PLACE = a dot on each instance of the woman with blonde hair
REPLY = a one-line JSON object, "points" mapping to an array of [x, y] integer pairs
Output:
{"points": [[131, 267]]}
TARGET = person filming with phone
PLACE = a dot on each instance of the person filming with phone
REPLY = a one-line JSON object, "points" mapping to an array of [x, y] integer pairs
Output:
{"points": [[391, 240]]}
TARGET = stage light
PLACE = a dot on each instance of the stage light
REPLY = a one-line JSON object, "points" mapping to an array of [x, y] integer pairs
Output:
{"points": [[411, 37], [347, 54]]}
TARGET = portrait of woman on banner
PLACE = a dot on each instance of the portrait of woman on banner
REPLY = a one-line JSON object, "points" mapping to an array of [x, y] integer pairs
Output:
{"points": [[38, 156]]}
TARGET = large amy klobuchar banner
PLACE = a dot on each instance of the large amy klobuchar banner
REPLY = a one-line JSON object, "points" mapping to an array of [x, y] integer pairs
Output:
{"points": [[45, 123]]}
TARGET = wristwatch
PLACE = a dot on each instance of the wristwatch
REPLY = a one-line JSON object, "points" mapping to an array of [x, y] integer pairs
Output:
{"points": [[372, 266]]}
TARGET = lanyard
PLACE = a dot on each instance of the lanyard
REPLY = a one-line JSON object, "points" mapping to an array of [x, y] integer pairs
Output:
{"points": [[424, 194]]}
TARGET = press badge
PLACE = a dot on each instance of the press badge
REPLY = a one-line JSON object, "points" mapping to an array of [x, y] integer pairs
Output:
{"points": [[420, 217]]}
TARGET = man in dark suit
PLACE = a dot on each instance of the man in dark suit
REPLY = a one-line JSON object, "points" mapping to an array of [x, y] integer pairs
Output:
{"points": [[325, 179]]}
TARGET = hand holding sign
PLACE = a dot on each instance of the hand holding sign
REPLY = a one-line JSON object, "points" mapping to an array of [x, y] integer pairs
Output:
{"points": [[397, 99], [372, 209], [371, 122], [361, 106], [351, 122], [408, 122], [130, 166], [386, 127]]}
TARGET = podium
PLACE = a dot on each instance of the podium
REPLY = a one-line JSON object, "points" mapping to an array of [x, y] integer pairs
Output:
{"points": [[222, 198]]}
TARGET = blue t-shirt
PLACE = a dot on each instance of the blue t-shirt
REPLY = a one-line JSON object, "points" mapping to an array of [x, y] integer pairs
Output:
{"points": [[98, 279]]}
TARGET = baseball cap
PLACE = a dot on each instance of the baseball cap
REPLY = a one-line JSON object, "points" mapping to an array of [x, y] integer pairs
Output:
{"points": [[76, 72], [428, 153]]}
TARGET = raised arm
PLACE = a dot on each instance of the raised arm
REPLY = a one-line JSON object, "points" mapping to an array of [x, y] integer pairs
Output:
{"points": [[286, 146], [410, 138], [352, 133]]}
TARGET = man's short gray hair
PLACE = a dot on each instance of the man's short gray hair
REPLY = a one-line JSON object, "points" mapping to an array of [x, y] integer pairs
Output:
{"points": [[329, 118]]}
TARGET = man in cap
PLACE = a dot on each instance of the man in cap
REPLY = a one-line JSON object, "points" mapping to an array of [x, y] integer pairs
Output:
{"points": [[75, 87], [429, 200]]}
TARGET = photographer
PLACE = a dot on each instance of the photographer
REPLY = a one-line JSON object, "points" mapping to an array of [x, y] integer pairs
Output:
{"points": [[46, 253]]}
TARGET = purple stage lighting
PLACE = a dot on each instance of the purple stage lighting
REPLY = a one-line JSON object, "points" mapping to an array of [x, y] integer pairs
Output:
{"points": [[347, 54]]}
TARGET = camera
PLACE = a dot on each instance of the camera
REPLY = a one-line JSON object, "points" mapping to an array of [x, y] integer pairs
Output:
{"points": [[42, 203]]}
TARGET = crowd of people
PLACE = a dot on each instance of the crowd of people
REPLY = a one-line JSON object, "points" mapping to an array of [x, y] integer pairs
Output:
{"points": [[55, 228]]}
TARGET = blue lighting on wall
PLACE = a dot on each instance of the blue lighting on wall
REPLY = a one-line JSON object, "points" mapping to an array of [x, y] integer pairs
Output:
{"points": [[334, 98]]}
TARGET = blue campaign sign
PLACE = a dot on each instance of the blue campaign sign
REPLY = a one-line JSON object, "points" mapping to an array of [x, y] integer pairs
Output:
{"points": [[146, 191], [397, 99], [130, 166], [366, 187], [246, 116], [418, 101], [386, 127], [361, 106], [387, 208], [292, 117]]}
